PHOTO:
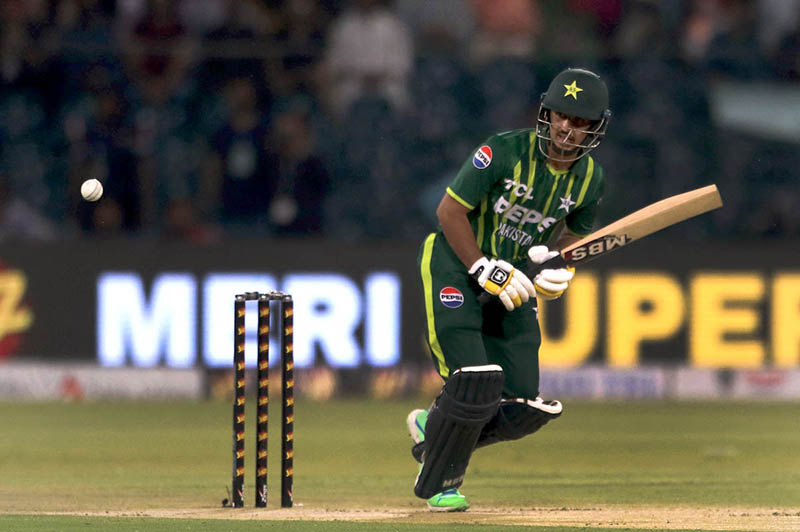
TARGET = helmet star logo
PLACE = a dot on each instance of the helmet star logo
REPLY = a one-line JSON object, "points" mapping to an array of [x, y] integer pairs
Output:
{"points": [[566, 203], [572, 90]]}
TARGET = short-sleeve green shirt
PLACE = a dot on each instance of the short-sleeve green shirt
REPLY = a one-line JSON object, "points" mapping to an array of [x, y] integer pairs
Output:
{"points": [[516, 199]]}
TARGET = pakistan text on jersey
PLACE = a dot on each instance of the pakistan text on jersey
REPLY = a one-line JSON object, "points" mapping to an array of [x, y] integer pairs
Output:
{"points": [[516, 235]]}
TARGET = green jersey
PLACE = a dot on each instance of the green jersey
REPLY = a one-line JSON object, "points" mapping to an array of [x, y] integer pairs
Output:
{"points": [[516, 199]]}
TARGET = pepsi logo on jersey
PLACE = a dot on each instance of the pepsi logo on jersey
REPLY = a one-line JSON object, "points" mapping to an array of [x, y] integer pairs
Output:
{"points": [[451, 297], [482, 158]]}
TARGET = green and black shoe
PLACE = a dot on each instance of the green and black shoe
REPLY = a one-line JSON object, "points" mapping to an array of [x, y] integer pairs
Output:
{"points": [[449, 500]]}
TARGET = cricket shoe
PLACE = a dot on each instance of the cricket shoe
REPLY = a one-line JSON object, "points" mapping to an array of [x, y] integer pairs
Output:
{"points": [[449, 500]]}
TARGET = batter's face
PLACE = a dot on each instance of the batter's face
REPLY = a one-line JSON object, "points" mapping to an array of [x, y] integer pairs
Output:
{"points": [[566, 130]]}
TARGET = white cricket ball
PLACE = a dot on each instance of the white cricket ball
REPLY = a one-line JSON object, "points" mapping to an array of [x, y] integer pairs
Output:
{"points": [[91, 190]]}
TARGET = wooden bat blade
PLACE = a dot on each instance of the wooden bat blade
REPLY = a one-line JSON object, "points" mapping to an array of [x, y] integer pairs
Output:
{"points": [[634, 226], [643, 222]]}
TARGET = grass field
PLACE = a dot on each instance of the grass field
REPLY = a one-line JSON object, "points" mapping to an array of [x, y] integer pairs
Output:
{"points": [[646, 465]]}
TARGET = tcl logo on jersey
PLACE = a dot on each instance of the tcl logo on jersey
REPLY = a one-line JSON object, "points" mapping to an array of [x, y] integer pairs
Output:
{"points": [[451, 297], [520, 189], [482, 158]]}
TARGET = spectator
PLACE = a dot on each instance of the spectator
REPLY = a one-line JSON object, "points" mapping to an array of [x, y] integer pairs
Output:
{"points": [[20, 221], [86, 38], [442, 26], [505, 28], [788, 57], [99, 145], [369, 51], [243, 172], [568, 34], [159, 50], [641, 32], [777, 19], [27, 153], [303, 181], [160, 93], [70, 110], [735, 52], [304, 23], [247, 25], [606, 13], [28, 40], [300, 39], [700, 26], [162, 142], [375, 192], [201, 16]]}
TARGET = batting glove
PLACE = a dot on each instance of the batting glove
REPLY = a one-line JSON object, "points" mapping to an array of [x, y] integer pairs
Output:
{"points": [[501, 279], [549, 283]]}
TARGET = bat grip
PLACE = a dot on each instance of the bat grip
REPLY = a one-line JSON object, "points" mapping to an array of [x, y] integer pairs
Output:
{"points": [[533, 270]]}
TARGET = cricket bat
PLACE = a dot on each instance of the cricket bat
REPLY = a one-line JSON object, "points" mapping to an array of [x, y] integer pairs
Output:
{"points": [[639, 224], [634, 226]]}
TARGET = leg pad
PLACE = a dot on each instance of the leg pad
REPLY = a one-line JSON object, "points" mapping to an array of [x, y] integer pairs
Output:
{"points": [[468, 400], [518, 417]]}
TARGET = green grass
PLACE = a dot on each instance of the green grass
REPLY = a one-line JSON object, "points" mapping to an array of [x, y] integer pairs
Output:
{"points": [[124, 524], [135, 456]]}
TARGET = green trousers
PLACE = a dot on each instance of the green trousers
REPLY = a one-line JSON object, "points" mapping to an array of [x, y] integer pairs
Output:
{"points": [[461, 332]]}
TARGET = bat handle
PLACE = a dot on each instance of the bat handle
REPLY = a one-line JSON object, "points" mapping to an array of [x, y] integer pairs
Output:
{"points": [[534, 269], [484, 297]]}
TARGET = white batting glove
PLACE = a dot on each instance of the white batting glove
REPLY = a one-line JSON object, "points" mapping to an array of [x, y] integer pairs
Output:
{"points": [[549, 283], [501, 279]]}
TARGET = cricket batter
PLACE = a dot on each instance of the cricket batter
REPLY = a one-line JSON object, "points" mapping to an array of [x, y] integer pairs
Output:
{"points": [[519, 191]]}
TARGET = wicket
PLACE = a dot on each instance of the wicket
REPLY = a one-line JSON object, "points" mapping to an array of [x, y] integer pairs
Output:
{"points": [[285, 307]]}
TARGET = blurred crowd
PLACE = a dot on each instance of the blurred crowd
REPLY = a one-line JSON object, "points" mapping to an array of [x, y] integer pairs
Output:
{"points": [[346, 118]]}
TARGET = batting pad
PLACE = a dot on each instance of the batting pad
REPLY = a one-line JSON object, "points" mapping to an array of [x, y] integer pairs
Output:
{"points": [[516, 418], [468, 400]]}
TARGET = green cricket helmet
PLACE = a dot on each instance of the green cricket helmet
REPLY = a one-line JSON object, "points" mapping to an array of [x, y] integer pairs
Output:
{"points": [[575, 92]]}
